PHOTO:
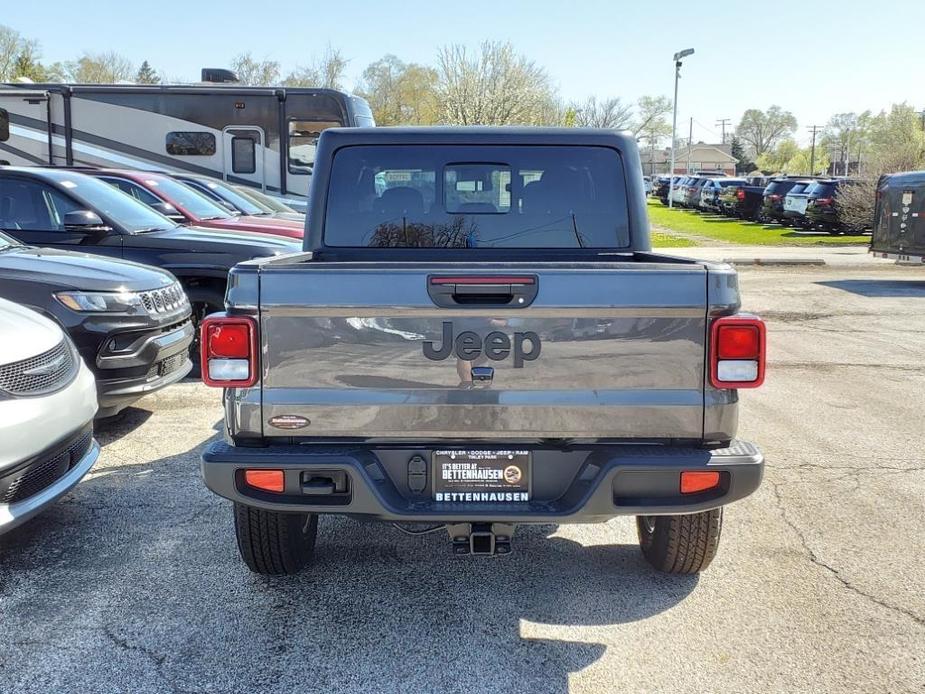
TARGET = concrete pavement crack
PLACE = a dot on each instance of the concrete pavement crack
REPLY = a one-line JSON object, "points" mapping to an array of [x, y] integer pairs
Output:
{"points": [[814, 558], [156, 659]]}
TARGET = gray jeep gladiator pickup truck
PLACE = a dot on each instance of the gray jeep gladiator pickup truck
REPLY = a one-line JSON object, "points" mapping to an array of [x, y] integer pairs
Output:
{"points": [[478, 335]]}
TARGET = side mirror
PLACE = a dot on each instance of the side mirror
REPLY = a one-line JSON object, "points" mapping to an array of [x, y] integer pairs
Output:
{"points": [[84, 220], [168, 210]]}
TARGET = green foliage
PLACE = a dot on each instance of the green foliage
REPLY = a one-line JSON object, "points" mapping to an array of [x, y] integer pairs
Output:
{"points": [[146, 75], [744, 164], [789, 158], [400, 93], [762, 130]]}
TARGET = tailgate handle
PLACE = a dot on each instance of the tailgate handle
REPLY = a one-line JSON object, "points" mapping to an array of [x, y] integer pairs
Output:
{"points": [[465, 291]]}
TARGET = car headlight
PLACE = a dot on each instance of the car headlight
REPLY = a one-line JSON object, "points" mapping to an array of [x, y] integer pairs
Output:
{"points": [[100, 302]]}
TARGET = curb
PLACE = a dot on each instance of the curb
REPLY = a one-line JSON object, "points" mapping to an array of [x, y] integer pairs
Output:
{"points": [[775, 261]]}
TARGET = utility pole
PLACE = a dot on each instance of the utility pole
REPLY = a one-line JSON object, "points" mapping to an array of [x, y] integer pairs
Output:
{"points": [[722, 123], [812, 156], [678, 57], [690, 144]]}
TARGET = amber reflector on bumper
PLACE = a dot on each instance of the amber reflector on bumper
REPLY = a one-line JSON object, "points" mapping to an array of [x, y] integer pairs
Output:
{"points": [[693, 481], [265, 480]]}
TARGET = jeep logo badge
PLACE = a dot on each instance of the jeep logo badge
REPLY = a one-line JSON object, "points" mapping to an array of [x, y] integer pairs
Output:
{"points": [[469, 346]]}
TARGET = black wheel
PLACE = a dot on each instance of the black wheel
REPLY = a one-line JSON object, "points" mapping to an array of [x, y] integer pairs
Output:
{"points": [[680, 544], [274, 543], [203, 301]]}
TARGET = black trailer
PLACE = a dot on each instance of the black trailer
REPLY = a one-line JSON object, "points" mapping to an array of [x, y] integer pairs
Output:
{"points": [[899, 228], [257, 136]]}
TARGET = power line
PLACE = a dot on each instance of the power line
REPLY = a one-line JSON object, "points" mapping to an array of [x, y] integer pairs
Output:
{"points": [[722, 123]]}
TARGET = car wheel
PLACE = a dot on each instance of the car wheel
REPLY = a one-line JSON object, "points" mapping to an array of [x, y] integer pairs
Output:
{"points": [[273, 543], [680, 544]]}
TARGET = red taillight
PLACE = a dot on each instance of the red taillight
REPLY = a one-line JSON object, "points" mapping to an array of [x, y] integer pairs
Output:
{"points": [[266, 480], [774, 197], [825, 202], [693, 481], [737, 352], [740, 194], [738, 342], [229, 341], [228, 351]]}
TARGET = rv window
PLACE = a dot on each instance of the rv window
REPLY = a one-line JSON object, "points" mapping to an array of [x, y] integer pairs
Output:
{"points": [[4, 125], [190, 143], [303, 136], [243, 155]]}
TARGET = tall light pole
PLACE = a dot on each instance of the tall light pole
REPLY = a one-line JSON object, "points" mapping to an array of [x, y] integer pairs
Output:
{"points": [[678, 57]]}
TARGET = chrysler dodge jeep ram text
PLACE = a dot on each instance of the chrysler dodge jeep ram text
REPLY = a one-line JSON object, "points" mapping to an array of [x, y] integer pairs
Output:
{"points": [[478, 335]]}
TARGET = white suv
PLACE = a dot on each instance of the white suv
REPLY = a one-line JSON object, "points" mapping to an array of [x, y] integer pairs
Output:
{"points": [[47, 403]]}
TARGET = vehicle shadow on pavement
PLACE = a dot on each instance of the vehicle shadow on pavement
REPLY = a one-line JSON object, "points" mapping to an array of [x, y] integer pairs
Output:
{"points": [[114, 428], [876, 288], [135, 577]]}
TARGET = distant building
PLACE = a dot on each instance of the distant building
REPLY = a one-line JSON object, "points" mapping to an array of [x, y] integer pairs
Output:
{"points": [[703, 157]]}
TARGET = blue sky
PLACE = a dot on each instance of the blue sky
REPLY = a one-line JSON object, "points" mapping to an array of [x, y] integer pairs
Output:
{"points": [[814, 58]]}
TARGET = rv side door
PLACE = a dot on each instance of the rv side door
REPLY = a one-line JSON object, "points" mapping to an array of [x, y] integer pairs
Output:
{"points": [[24, 132], [244, 155]]}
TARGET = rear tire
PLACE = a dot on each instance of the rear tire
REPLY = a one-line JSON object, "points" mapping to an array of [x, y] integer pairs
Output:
{"points": [[680, 544], [273, 543]]}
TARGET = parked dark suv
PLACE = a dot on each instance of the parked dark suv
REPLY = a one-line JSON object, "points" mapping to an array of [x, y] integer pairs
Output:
{"points": [[130, 322], [71, 211], [773, 207], [822, 210]]}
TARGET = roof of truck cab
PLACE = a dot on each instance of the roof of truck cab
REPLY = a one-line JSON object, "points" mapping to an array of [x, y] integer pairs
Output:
{"points": [[478, 135]]}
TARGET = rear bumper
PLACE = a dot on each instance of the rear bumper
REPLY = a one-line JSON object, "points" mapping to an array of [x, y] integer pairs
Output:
{"points": [[590, 484]]}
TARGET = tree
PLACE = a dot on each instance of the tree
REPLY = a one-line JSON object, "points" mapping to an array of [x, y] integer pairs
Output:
{"points": [[495, 86], [326, 72], [264, 73], [607, 113], [400, 93], [895, 140], [19, 57], [100, 68], [651, 122], [775, 160], [762, 130], [789, 158], [744, 164], [147, 75]]}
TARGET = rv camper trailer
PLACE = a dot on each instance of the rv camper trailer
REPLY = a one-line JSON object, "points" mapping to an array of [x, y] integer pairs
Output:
{"points": [[259, 137]]}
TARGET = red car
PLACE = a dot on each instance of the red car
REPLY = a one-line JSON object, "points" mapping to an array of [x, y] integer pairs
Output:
{"points": [[183, 204]]}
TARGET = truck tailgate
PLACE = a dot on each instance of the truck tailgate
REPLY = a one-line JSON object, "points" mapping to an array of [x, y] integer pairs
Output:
{"points": [[612, 350]]}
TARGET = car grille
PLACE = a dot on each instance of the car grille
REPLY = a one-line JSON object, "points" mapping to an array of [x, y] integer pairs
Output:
{"points": [[41, 374], [166, 300], [167, 366], [45, 469]]}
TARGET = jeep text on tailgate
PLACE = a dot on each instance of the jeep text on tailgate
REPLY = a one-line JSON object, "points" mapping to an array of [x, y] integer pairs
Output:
{"points": [[478, 335]]}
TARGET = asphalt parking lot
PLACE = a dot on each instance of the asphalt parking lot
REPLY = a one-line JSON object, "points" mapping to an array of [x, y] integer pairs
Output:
{"points": [[132, 583]]}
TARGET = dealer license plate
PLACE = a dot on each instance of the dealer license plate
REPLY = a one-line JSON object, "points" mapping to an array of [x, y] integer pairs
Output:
{"points": [[477, 477]]}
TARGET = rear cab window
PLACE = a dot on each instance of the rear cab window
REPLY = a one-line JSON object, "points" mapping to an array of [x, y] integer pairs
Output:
{"points": [[779, 187], [483, 196], [824, 189]]}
